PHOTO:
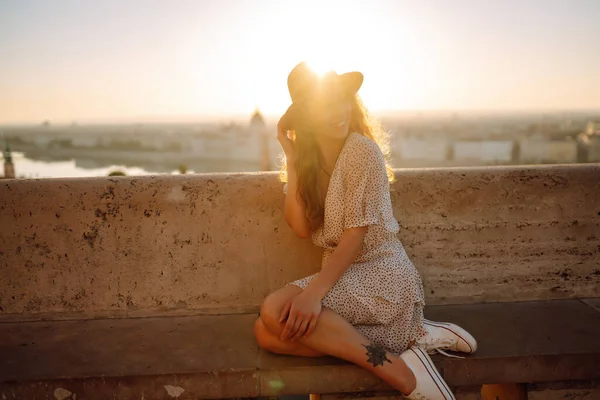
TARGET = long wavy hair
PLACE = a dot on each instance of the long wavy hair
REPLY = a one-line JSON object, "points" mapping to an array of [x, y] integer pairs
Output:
{"points": [[308, 155]]}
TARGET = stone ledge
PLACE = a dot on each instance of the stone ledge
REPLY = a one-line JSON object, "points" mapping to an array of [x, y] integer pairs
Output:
{"points": [[217, 357], [574, 390], [186, 244], [581, 390]]}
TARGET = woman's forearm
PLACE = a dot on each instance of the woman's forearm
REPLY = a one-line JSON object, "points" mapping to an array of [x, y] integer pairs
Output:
{"points": [[295, 212], [342, 257]]}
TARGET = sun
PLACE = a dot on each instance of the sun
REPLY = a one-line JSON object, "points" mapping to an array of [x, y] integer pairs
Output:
{"points": [[319, 65], [391, 57]]}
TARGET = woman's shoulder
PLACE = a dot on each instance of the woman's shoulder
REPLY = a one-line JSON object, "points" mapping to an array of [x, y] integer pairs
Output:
{"points": [[362, 149]]}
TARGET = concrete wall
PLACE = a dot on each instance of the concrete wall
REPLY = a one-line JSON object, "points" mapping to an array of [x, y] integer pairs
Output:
{"points": [[205, 243]]}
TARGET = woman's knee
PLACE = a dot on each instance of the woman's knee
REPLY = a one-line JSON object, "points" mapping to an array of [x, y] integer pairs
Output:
{"points": [[262, 334], [270, 311], [272, 306], [265, 338]]}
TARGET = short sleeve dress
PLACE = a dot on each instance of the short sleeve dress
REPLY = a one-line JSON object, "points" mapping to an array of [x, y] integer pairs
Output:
{"points": [[381, 293]]}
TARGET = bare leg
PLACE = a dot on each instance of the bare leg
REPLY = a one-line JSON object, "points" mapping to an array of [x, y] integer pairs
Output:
{"points": [[269, 341], [337, 337]]}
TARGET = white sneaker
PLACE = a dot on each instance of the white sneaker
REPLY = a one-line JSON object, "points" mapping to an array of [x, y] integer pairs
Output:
{"points": [[446, 336], [430, 384]]}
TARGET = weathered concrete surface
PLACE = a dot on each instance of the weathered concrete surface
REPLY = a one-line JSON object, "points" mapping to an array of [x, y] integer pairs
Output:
{"points": [[226, 385], [127, 347], [594, 303], [459, 393], [589, 390], [153, 358], [126, 357], [133, 246]]}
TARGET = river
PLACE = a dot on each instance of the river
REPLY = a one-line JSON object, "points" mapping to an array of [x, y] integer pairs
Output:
{"points": [[28, 168]]}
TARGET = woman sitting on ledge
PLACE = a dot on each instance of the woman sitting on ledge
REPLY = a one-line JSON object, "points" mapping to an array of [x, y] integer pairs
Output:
{"points": [[366, 304]]}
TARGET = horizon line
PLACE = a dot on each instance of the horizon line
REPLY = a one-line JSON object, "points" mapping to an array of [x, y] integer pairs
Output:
{"points": [[232, 117]]}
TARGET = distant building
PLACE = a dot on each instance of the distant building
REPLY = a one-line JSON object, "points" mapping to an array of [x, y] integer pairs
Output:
{"points": [[593, 128], [42, 141], [408, 148], [258, 130], [9, 167], [85, 140], [540, 150], [491, 151], [588, 143]]}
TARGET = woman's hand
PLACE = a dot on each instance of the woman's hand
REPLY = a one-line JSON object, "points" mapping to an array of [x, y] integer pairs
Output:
{"points": [[301, 313], [286, 143]]}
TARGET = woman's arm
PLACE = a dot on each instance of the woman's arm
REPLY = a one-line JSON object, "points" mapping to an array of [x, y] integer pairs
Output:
{"points": [[342, 257], [302, 312], [295, 211]]}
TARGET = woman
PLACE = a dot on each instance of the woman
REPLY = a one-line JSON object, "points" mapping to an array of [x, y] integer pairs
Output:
{"points": [[366, 304]]}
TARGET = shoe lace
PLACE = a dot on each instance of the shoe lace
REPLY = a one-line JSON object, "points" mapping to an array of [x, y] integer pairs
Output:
{"points": [[432, 346]]}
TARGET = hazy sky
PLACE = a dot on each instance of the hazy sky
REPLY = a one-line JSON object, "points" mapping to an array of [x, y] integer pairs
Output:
{"points": [[128, 59]]}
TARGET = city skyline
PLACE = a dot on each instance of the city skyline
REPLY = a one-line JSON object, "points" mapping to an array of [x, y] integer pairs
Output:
{"points": [[74, 61]]}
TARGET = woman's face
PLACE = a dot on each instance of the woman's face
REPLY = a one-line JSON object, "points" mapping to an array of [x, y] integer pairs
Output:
{"points": [[333, 113]]}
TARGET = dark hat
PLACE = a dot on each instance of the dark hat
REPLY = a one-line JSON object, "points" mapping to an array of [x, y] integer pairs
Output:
{"points": [[303, 83]]}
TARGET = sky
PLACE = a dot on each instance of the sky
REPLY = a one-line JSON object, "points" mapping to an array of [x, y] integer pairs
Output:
{"points": [[117, 60]]}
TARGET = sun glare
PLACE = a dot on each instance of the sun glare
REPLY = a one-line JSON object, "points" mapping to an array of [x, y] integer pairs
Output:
{"points": [[320, 66], [393, 74]]}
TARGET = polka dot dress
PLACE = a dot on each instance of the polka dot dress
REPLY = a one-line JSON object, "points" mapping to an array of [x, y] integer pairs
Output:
{"points": [[381, 293]]}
